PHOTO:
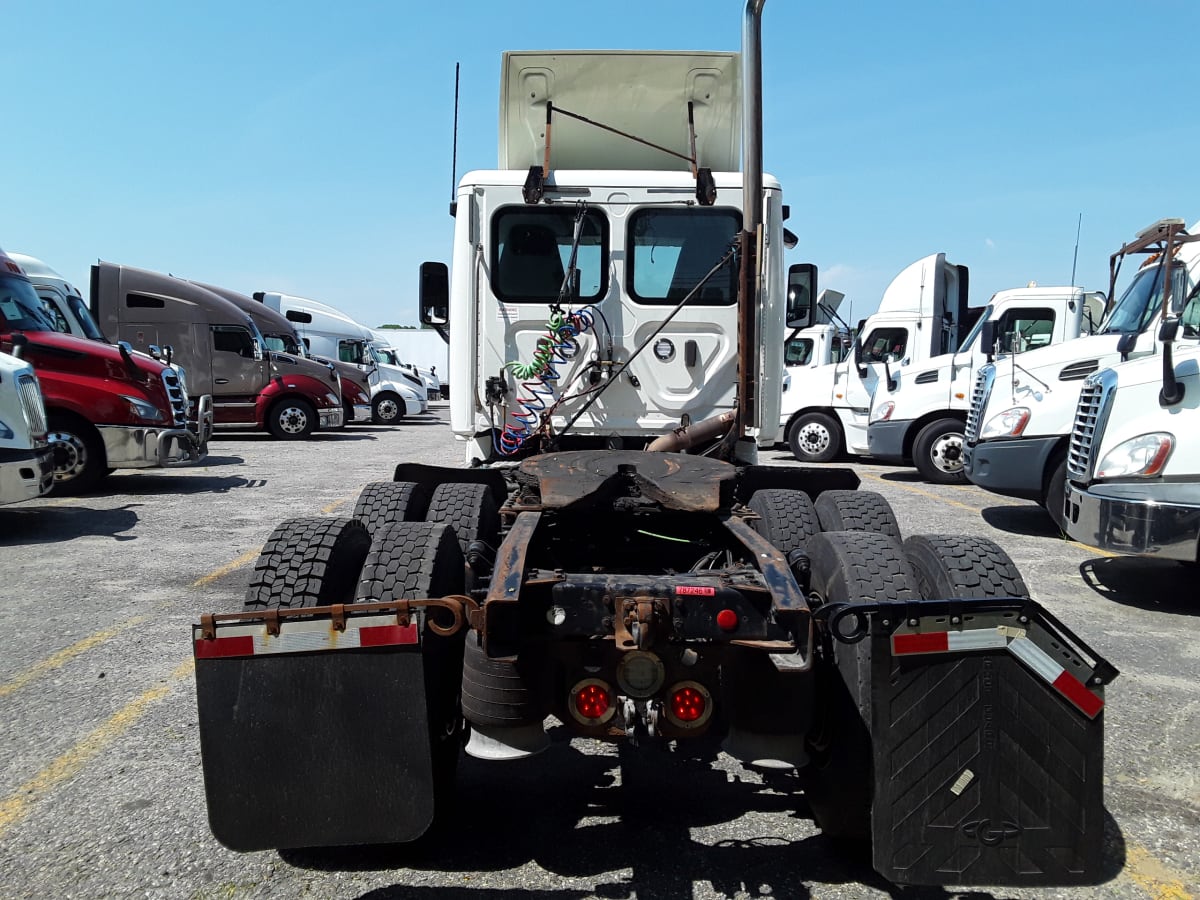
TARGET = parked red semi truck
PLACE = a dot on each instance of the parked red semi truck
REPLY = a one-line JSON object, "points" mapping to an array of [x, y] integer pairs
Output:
{"points": [[222, 349], [281, 337], [636, 593], [107, 407]]}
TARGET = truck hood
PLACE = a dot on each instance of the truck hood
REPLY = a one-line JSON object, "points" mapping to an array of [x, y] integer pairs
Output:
{"points": [[1149, 370], [93, 357]]}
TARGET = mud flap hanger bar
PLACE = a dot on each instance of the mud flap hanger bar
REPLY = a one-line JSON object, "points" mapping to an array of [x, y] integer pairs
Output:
{"points": [[337, 613], [1020, 626], [535, 182]]}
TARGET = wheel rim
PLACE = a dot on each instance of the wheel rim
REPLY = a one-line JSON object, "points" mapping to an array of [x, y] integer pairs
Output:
{"points": [[70, 455], [293, 420], [946, 454], [388, 409], [813, 438]]}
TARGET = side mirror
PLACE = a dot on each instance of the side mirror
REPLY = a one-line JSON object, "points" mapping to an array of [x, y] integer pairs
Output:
{"points": [[256, 349], [155, 351], [1126, 344], [856, 353], [434, 294], [802, 289], [987, 339], [1168, 330]]}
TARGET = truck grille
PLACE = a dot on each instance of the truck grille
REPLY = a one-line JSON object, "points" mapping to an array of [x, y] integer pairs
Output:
{"points": [[979, 399], [1088, 421], [32, 403], [177, 394]]}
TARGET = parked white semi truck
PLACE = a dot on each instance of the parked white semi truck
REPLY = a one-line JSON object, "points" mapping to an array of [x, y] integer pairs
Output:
{"points": [[26, 457], [329, 332], [603, 291], [918, 417], [1022, 407], [1133, 462], [921, 315]]}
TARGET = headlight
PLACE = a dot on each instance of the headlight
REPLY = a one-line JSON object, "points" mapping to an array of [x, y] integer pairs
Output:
{"points": [[883, 412], [1144, 456], [142, 409], [333, 399], [6, 433], [1009, 423]]}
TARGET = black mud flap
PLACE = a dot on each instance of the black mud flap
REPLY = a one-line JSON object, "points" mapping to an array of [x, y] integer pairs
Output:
{"points": [[987, 728], [314, 737]]}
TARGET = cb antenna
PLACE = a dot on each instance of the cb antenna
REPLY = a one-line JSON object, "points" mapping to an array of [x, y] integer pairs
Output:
{"points": [[1075, 258], [454, 151]]}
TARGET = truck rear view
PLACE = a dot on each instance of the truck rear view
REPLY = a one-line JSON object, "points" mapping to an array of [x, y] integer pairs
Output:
{"points": [[638, 596]]}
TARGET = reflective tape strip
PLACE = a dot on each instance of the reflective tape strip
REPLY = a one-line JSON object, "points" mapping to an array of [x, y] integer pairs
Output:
{"points": [[303, 637], [949, 641], [1057, 676]]}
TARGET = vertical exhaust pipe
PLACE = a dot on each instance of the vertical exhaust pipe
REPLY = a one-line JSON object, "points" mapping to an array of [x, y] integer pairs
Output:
{"points": [[752, 218]]}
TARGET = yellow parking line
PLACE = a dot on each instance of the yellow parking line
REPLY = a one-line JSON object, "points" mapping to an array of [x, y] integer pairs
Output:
{"points": [[65, 655], [1096, 550], [335, 504], [248, 557], [916, 490], [1154, 877], [17, 805]]}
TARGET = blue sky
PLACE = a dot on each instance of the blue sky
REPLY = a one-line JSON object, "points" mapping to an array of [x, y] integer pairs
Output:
{"points": [[306, 147]]}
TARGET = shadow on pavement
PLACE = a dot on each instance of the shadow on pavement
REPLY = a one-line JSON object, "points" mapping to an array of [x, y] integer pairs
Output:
{"points": [[176, 485], [211, 460], [668, 824], [51, 524], [1032, 521], [1157, 585]]}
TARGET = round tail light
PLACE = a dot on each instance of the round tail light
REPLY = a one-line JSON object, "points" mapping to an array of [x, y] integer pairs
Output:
{"points": [[689, 705], [591, 702]]}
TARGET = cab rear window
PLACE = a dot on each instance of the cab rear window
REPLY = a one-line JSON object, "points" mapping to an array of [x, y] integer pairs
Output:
{"points": [[531, 252]]}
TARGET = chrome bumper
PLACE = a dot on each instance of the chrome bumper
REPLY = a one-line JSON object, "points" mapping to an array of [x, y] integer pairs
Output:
{"points": [[138, 447], [26, 476], [1136, 519], [202, 427], [331, 418], [362, 412]]}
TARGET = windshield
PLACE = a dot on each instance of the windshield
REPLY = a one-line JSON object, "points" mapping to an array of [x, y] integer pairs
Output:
{"points": [[387, 357], [21, 307], [984, 316], [84, 316], [1138, 305]]}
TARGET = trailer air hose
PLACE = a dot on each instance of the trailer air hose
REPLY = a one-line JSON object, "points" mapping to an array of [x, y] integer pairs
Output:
{"points": [[535, 390]]}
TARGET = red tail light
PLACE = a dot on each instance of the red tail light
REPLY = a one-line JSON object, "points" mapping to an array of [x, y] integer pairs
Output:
{"points": [[689, 705], [591, 702]]}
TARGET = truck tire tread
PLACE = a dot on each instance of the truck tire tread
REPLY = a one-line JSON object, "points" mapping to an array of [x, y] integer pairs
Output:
{"points": [[787, 519], [857, 511], [383, 502], [470, 509], [308, 562], [948, 566]]}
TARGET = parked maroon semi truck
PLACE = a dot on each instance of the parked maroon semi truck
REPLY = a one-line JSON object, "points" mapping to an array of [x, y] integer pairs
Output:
{"points": [[107, 407], [222, 349], [281, 338]]}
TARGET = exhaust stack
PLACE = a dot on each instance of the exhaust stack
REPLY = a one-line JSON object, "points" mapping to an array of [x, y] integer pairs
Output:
{"points": [[752, 218]]}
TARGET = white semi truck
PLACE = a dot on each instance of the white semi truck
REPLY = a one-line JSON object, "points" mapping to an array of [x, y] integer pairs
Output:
{"points": [[922, 315], [26, 457], [1133, 461], [587, 570], [918, 418], [329, 332], [1023, 407]]}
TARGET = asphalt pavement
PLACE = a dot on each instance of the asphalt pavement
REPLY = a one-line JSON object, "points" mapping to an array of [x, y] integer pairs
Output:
{"points": [[100, 786]]}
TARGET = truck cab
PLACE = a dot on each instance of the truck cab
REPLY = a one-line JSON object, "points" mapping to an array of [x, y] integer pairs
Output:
{"points": [[220, 346], [328, 332], [918, 417], [288, 353], [26, 457], [107, 407], [1023, 406], [922, 312]]}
